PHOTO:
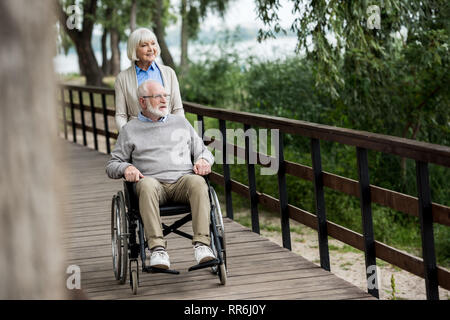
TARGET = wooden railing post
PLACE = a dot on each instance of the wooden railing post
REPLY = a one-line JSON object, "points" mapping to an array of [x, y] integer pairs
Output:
{"points": [[106, 126], [320, 205], [251, 179], [94, 125], [201, 129], [63, 104], [282, 191], [426, 228], [83, 122], [226, 170], [72, 114], [367, 224]]}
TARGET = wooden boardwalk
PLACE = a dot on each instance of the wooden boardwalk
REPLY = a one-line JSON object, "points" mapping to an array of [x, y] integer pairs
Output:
{"points": [[257, 267]]}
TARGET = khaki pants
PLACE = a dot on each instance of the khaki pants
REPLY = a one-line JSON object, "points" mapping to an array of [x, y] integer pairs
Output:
{"points": [[190, 189]]}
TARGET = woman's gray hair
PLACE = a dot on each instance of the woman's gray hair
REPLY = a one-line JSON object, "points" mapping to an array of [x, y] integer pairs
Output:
{"points": [[135, 39]]}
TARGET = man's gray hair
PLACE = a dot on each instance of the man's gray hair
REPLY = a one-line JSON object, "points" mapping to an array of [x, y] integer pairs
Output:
{"points": [[135, 39], [143, 88]]}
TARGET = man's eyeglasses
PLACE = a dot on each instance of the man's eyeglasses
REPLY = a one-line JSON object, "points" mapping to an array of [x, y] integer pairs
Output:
{"points": [[158, 96]]}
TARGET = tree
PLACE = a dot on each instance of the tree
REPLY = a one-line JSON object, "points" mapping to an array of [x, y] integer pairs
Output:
{"points": [[398, 69], [390, 78], [113, 16], [82, 39], [31, 253], [192, 12], [160, 8]]}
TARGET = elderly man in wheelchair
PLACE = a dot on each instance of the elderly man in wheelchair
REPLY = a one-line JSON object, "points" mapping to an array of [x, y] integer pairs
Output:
{"points": [[155, 152]]}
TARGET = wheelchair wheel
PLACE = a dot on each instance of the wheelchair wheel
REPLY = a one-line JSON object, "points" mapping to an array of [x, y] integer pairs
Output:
{"points": [[119, 239], [220, 270], [222, 273]]}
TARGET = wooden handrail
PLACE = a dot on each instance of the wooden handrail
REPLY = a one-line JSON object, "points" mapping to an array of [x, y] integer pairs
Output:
{"points": [[407, 148], [412, 149]]}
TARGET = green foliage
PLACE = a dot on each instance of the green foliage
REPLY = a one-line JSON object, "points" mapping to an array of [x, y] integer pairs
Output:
{"points": [[215, 81], [394, 290], [285, 89], [399, 70]]}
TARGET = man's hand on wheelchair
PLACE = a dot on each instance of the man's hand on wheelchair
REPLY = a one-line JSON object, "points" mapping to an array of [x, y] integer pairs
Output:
{"points": [[202, 167], [132, 174]]}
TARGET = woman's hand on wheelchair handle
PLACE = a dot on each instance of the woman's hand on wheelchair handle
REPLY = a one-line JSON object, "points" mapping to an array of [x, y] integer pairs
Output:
{"points": [[132, 174], [202, 167]]}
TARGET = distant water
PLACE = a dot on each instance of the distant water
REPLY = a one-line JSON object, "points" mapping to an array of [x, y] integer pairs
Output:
{"points": [[268, 50]]}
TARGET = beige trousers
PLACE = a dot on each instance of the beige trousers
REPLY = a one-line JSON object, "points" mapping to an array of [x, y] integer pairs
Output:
{"points": [[190, 189]]}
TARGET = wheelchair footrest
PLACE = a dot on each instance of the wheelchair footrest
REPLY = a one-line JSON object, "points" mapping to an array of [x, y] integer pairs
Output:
{"points": [[203, 265], [159, 270]]}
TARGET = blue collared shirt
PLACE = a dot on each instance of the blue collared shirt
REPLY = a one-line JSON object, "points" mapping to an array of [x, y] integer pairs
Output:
{"points": [[145, 119], [153, 73]]}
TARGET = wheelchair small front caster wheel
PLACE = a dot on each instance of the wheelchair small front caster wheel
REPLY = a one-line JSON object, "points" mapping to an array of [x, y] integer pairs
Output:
{"points": [[134, 281], [222, 270]]}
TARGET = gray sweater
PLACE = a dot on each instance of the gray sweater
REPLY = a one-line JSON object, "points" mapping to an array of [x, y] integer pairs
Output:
{"points": [[161, 150]]}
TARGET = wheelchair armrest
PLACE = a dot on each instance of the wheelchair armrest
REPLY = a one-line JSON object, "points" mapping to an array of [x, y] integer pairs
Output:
{"points": [[131, 197]]}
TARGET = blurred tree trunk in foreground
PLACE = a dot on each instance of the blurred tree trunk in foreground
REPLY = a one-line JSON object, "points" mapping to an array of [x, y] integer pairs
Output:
{"points": [[31, 256], [133, 15]]}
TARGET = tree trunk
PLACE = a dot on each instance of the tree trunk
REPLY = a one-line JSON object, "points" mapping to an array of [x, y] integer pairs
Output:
{"points": [[82, 39], [106, 67], [87, 61], [159, 32], [133, 15], [184, 38], [31, 254], [115, 52]]}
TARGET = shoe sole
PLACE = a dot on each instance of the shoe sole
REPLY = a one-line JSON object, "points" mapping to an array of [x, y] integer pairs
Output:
{"points": [[206, 259], [160, 266]]}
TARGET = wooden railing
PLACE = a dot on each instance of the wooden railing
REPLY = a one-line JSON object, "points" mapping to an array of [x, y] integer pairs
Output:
{"points": [[423, 153]]}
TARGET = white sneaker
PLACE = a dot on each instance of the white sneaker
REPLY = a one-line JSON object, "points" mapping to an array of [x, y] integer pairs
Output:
{"points": [[203, 253], [159, 259]]}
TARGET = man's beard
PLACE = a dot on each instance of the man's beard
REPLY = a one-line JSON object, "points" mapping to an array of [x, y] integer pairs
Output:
{"points": [[155, 112]]}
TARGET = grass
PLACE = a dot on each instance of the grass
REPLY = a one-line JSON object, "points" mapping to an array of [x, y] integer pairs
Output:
{"points": [[345, 265]]}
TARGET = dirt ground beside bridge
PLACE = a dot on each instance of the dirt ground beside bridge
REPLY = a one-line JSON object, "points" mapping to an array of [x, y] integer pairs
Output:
{"points": [[348, 264]]}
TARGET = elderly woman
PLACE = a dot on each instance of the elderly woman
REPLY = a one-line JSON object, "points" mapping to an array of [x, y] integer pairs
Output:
{"points": [[143, 48]]}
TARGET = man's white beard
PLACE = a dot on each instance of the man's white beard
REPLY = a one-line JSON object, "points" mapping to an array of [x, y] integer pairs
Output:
{"points": [[156, 113]]}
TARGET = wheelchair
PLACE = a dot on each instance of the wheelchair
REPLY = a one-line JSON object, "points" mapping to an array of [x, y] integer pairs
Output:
{"points": [[128, 241]]}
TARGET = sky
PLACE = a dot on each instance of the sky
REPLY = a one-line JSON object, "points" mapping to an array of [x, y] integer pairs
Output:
{"points": [[243, 13]]}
